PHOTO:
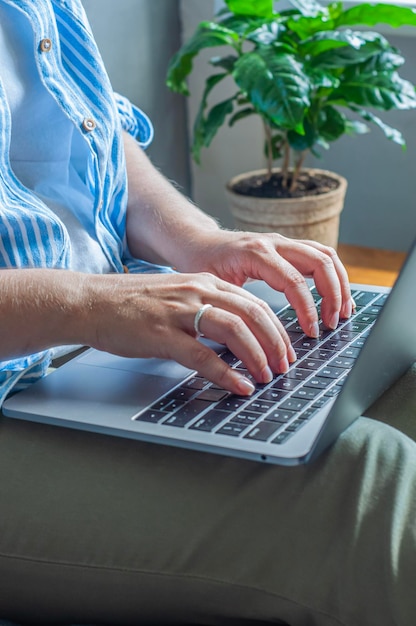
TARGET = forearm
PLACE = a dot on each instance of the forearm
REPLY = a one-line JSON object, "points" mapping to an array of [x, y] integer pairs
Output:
{"points": [[161, 222], [41, 308]]}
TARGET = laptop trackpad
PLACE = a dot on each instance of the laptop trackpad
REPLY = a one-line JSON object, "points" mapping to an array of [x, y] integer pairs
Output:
{"points": [[155, 367]]}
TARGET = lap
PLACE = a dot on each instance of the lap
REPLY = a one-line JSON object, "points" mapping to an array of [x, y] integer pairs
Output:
{"points": [[100, 529]]}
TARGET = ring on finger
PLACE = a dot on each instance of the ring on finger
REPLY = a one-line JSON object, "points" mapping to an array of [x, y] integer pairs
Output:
{"points": [[197, 319]]}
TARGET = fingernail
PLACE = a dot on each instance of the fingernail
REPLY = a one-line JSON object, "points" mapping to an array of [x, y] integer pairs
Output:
{"points": [[244, 386], [354, 306], [346, 309], [314, 330], [283, 365], [291, 354], [333, 320], [267, 374]]}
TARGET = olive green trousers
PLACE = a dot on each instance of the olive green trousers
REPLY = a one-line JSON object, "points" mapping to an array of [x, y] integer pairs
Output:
{"points": [[102, 530]]}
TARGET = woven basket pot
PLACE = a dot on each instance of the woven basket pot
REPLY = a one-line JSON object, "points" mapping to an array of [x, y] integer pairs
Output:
{"points": [[308, 217]]}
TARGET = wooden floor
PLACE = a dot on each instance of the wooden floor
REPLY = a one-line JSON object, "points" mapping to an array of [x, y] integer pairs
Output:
{"points": [[371, 266]]}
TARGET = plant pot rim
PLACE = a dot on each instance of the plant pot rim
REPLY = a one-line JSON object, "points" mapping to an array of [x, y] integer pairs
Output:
{"points": [[342, 183]]}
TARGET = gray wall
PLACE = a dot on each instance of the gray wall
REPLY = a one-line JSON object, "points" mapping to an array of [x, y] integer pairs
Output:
{"points": [[136, 39]]}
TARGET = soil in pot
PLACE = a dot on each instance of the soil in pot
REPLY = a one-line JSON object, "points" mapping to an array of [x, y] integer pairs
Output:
{"points": [[262, 186]]}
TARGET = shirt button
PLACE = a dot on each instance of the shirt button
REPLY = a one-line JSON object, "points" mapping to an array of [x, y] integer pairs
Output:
{"points": [[45, 45], [88, 124]]}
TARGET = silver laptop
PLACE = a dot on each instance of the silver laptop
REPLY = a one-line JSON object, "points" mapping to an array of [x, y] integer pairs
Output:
{"points": [[288, 421]]}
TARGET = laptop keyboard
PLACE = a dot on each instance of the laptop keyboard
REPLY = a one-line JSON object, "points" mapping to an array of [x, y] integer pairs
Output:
{"points": [[277, 409]]}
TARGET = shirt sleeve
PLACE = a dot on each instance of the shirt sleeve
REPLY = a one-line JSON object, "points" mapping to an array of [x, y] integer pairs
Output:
{"points": [[134, 121]]}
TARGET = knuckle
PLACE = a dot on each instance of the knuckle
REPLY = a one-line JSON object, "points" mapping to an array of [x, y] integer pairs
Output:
{"points": [[202, 357], [234, 325], [258, 244], [293, 278]]}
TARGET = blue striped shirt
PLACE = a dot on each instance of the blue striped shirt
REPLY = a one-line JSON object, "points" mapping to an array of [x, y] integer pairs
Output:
{"points": [[31, 234]]}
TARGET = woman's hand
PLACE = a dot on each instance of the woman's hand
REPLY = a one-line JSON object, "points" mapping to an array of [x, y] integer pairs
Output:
{"points": [[153, 316], [283, 263]]}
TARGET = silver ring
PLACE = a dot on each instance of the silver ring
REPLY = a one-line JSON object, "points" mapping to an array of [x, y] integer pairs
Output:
{"points": [[197, 318]]}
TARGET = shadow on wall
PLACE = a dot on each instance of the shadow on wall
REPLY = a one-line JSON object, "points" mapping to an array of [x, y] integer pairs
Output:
{"points": [[136, 39]]}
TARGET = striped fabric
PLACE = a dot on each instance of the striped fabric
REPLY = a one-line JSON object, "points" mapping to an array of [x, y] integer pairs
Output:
{"points": [[30, 233]]}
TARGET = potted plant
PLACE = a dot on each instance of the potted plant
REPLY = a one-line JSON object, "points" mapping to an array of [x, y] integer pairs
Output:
{"points": [[301, 70]]}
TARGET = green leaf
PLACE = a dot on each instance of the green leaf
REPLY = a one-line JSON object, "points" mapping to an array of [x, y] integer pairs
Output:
{"points": [[242, 25], [260, 8], [242, 114], [207, 35], [331, 123], [226, 63], [267, 33], [275, 85], [305, 27], [214, 120], [309, 8], [301, 142], [377, 90], [355, 48], [277, 142], [199, 124], [322, 80], [391, 133], [354, 127], [372, 14]]}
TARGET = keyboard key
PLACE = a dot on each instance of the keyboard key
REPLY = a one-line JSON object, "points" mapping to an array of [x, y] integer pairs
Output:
{"points": [[350, 352], [260, 405], [381, 299], [262, 431], [343, 362], [231, 404], [334, 344], [245, 417], [282, 437], [306, 343], [281, 416], [294, 426], [364, 297], [286, 384], [298, 373], [293, 404], [231, 429], [318, 404], [287, 315], [308, 413], [229, 358], [308, 393], [212, 395], [331, 372], [150, 416], [311, 364], [274, 395], [209, 421], [321, 354], [196, 383], [318, 382], [187, 412]]}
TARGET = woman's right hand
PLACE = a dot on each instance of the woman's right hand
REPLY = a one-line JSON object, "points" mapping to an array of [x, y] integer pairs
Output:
{"points": [[153, 316]]}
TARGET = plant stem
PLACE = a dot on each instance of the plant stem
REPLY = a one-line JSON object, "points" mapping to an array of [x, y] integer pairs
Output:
{"points": [[286, 163], [269, 150], [298, 168]]}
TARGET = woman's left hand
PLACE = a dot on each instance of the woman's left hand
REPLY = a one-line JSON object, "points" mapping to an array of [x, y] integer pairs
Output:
{"points": [[282, 263]]}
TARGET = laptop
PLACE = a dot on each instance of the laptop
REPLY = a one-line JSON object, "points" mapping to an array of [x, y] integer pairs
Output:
{"points": [[289, 421]]}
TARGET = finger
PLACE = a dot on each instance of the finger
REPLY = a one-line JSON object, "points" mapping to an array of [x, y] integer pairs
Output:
{"points": [[230, 329], [331, 280], [197, 356], [258, 317]]}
